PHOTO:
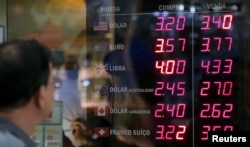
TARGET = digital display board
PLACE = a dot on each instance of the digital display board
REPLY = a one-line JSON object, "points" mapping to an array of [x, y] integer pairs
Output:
{"points": [[214, 92], [185, 60]]}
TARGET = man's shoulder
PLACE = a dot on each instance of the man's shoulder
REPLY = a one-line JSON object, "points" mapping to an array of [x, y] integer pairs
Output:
{"points": [[13, 136], [9, 140]]}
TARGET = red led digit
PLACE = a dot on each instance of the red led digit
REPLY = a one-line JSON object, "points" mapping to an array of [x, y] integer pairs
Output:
{"points": [[183, 40], [227, 88], [219, 87], [216, 111], [230, 41], [217, 20], [228, 128], [216, 128], [216, 66], [206, 65], [228, 66], [204, 88], [170, 87], [205, 44], [205, 130], [181, 21], [180, 113], [171, 109], [170, 132], [160, 65], [170, 45], [159, 25], [170, 65], [180, 133], [181, 65], [159, 109], [159, 45], [159, 132], [219, 42], [227, 22], [206, 110], [228, 109], [181, 89], [205, 22], [161, 85], [169, 24]]}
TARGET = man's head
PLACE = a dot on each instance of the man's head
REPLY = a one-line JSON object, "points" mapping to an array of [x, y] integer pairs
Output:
{"points": [[25, 76]]}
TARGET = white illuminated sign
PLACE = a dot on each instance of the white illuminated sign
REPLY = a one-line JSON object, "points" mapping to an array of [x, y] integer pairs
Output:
{"points": [[56, 115]]}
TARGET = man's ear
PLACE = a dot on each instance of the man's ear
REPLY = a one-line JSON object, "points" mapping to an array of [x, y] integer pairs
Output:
{"points": [[40, 97]]}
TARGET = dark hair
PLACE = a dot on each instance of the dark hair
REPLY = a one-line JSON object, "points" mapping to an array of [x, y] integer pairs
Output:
{"points": [[24, 67], [66, 141]]}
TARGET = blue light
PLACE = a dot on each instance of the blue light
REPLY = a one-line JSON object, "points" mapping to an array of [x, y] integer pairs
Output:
{"points": [[192, 9], [85, 83], [156, 13], [165, 13]]}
